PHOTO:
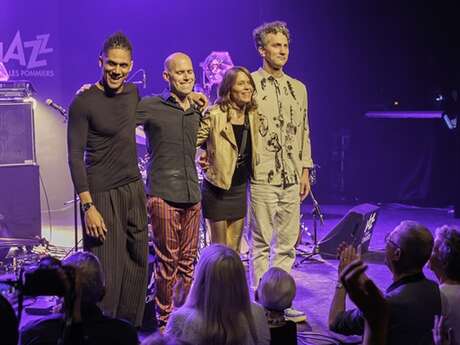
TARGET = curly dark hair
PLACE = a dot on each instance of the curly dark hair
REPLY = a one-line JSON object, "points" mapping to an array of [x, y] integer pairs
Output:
{"points": [[263, 30], [117, 40]]}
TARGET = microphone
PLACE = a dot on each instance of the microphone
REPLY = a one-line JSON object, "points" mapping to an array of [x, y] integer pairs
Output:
{"points": [[57, 107]]}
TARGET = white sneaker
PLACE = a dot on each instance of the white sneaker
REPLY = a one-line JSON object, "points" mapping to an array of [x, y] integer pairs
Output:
{"points": [[295, 315]]}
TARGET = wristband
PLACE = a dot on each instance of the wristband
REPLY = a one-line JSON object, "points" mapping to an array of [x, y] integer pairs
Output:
{"points": [[86, 206]]}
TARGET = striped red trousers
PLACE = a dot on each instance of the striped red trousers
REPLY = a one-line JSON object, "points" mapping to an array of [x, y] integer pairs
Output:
{"points": [[175, 238]]}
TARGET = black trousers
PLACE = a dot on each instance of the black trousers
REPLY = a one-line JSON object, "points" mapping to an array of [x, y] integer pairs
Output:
{"points": [[123, 253]]}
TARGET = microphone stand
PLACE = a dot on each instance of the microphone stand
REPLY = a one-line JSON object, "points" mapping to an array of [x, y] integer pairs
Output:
{"points": [[316, 215]]}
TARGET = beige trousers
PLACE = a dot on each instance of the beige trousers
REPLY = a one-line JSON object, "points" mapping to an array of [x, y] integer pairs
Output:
{"points": [[274, 224]]}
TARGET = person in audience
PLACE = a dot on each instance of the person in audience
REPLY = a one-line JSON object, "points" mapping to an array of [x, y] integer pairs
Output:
{"points": [[445, 263], [229, 129], [9, 322], [89, 323], [408, 248], [218, 309], [275, 293], [366, 296]]}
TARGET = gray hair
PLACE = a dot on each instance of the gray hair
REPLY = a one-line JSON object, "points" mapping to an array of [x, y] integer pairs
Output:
{"points": [[91, 277], [260, 33], [276, 289], [416, 243], [448, 250]]}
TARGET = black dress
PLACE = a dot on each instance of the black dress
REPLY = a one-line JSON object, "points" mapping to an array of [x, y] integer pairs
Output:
{"points": [[220, 204]]}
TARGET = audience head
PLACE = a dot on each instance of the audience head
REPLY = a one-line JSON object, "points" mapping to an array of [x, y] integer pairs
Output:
{"points": [[408, 247], [237, 90], [90, 276], [276, 290], [445, 258], [220, 294], [220, 279]]}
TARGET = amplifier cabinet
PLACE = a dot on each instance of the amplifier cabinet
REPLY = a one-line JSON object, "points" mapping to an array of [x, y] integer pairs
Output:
{"points": [[17, 137]]}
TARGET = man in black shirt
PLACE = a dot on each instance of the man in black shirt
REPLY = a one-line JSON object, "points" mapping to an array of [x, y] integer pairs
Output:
{"points": [[171, 122], [413, 300], [103, 165]]}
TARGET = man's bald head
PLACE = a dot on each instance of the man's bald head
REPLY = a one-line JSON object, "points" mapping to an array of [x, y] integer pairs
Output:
{"points": [[178, 72], [174, 59]]}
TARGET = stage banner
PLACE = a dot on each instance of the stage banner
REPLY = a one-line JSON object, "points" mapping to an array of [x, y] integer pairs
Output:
{"points": [[29, 43]]}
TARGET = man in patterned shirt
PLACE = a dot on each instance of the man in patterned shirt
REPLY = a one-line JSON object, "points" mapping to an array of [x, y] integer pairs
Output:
{"points": [[280, 179]]}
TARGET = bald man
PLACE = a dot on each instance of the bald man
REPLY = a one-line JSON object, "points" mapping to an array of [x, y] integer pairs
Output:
{"points": [[170, 121]]}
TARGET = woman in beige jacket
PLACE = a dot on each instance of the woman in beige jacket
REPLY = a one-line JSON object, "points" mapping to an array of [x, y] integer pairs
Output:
{"points": [[228, 130]]}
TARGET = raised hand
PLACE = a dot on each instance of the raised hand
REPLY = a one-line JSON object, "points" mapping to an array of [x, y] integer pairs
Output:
{"points": [[347, 254]]}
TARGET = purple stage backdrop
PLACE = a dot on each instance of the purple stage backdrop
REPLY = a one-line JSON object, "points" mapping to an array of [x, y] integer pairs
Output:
{"points": [[354, 57]]}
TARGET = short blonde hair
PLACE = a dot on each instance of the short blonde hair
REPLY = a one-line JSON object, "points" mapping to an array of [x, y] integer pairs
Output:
{"points": [[260, 33], [276, 289]]}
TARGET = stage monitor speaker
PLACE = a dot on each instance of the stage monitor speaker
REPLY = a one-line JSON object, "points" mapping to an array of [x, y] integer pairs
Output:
{"points": [[17, 143], [355, 228], [20, 215]]}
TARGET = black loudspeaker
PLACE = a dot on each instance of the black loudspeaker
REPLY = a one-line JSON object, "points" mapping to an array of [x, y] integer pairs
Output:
{"points": [[20, 215], [355, 228], [17, 142]]}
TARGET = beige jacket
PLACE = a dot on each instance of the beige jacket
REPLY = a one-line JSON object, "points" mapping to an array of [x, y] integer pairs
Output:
{"points": [[221, 146]]}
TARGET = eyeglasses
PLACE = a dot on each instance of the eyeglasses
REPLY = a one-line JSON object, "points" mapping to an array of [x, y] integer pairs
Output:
{"points": [[389, 240]]}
